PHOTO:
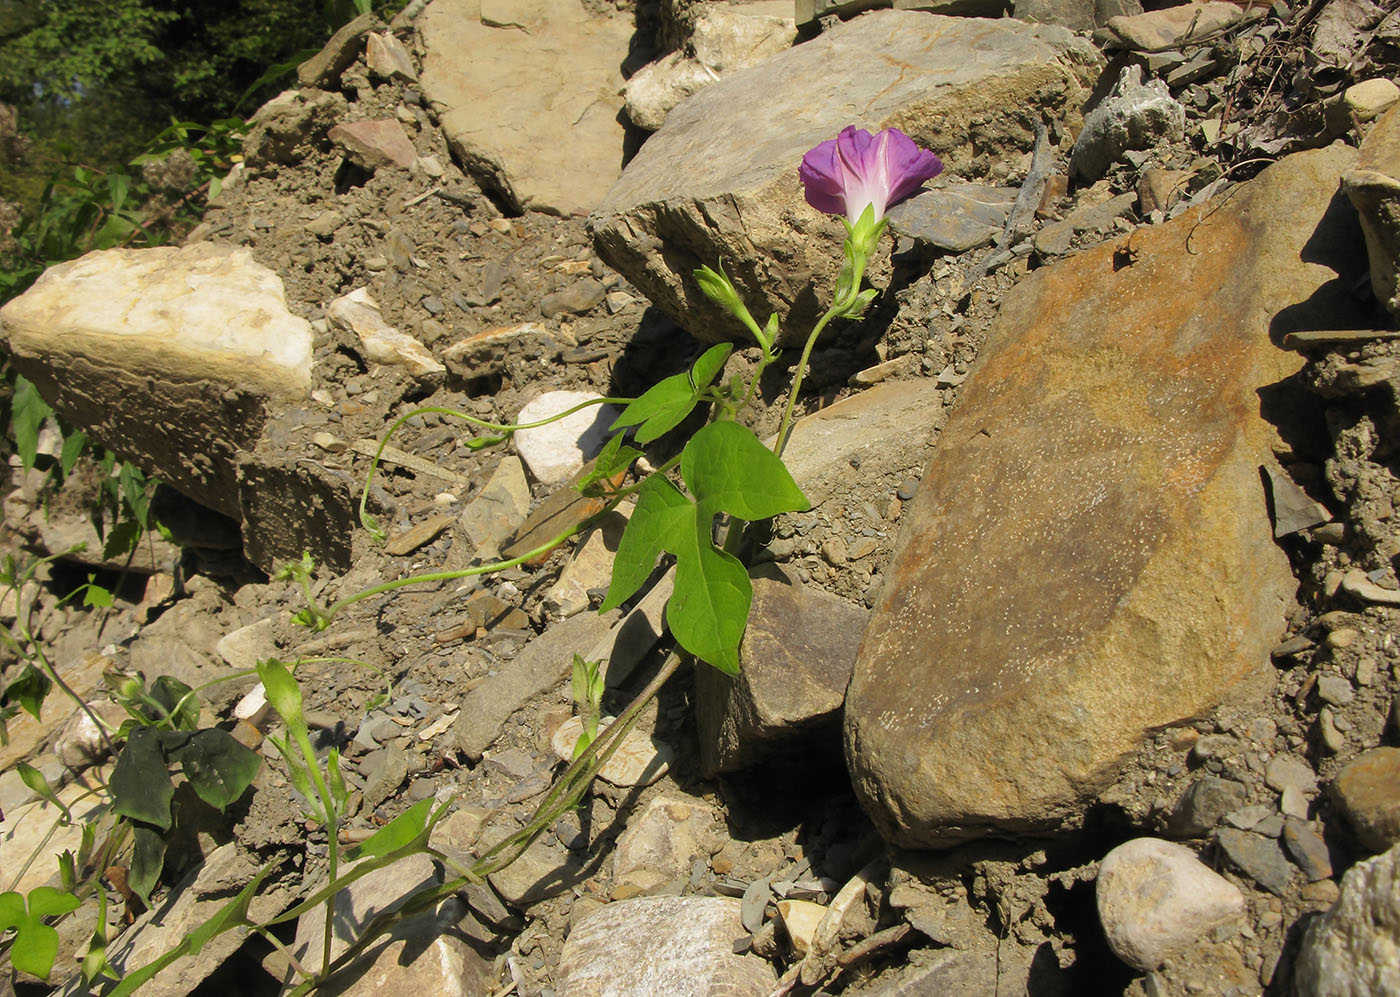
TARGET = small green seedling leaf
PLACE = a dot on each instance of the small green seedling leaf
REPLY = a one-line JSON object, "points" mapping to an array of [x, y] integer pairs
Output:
{"points": [[282, 692], [140, 783], [36, 943], [709, 608], [121, 539], [403, 830], [95, 596], [588, 682], [612, 460], [218, 767], [37, 782]]}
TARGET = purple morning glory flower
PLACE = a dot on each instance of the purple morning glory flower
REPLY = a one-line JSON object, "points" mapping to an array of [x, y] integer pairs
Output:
{"points": [[856, 170]]}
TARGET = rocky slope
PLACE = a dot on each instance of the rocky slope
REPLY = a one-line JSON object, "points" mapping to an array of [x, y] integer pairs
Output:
{"points": [[1105, 480]]}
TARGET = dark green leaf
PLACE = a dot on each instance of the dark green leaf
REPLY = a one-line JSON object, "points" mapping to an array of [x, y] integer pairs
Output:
{"points": [[147, 860], [660, 520], [121, 539], [218, 767], [29, 690], [399, 832], [140, 783]]}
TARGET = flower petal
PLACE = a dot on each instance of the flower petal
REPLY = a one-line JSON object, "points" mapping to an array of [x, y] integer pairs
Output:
{"points": [[908, 165], [823, 180]]}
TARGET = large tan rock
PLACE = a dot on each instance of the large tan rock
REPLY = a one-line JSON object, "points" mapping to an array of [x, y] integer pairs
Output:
{"points": [[170, 357], [718, 181], [528, 93], [1089, 555]]}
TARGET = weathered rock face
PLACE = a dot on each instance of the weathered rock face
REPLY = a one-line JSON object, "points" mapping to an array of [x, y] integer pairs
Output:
{"points": [[797, 656], [722, 40], [1089, 555], [1353, 950], [1374, 187], [682, 946], [715, 184], [528, 93], [167, 356]]}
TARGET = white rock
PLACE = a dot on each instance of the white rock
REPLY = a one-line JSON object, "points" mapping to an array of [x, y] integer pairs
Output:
{"points": [[1155, 897], [723, 40], [638, 760], [666, 838], [661, 947], [253, 707], [164, 355], [555, 451], [1135, 115], [1353, 950], [359, 313]]}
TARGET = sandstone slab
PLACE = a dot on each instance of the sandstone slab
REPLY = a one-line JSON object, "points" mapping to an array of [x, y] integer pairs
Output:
{"points": [[169, 357], [712, 184], [1088, 557], [797, 655], [532, 113], [677, 946]]}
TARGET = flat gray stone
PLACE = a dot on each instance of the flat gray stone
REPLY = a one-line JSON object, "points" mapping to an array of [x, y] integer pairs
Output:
{"points": [[712, 184], [884, 430], [954, 217], [1258, 857], [541, 665]]}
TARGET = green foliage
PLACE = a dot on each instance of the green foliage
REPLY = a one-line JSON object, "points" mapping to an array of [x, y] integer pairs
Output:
{"points": [[36, 943], [163, 737], [587, 683], [666, 404], [727, 470]]}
